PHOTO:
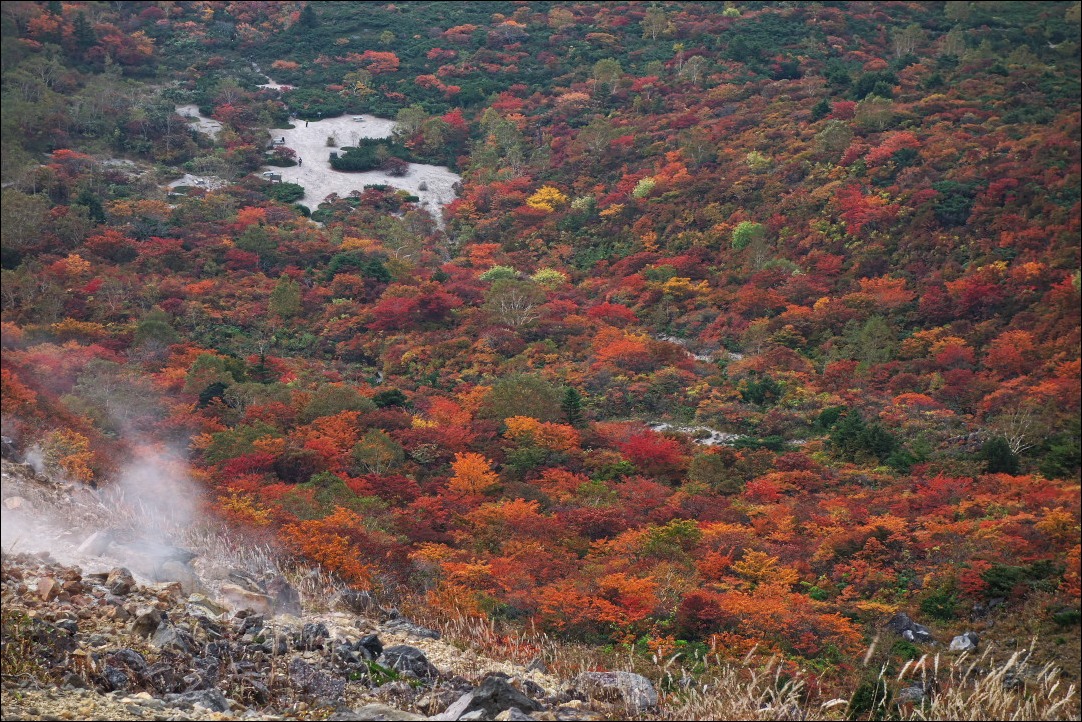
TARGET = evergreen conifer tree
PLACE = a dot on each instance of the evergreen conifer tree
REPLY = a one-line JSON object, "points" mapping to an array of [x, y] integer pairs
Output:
{"points": [[571, 405]]}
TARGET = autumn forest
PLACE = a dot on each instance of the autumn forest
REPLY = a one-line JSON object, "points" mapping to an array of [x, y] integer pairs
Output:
{"points": [[749, 325]]}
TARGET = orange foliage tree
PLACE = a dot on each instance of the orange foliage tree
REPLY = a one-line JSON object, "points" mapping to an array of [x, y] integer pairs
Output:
{"points": [[337, 541], [473, 474]]}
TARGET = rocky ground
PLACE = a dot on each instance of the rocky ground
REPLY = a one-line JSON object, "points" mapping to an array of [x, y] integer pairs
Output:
{"points": [[183, 637]]}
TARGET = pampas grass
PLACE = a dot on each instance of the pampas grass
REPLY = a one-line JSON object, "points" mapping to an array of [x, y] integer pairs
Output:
{"points": [[968, 686]]}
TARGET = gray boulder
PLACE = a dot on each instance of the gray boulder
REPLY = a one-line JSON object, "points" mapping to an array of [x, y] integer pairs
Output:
{"points": [[8, 449], [634, 690], [162, 677], [965, 642], [211, 699], [120, 582], [240, 598], [494, 696], [371, 644], [146, 622], [202, 606], [458, 708], [284, 596], [115, 678], [375, 713], [907, 629], [129, 658], [316, 684], [70, 625], [311, 636], [911, 695], [405, 658], [346, 655], [899, 623], [168, 637], [513, 715], [244, 580], [401, 625]]}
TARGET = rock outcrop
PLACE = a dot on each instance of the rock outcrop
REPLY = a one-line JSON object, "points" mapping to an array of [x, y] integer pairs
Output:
{"points": [[103, 645], [966, 642], [909, 630], [146, 629], [634, 690]]}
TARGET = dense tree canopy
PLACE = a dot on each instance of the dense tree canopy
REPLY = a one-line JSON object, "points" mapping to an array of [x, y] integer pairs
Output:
{"points": [[749, 324]]}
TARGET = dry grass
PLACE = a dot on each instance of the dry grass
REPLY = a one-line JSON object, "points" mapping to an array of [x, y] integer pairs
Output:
{"points": [[731, 691], [264, 560], [518, 645], [978, 688], [962, 687], [968, 689]]}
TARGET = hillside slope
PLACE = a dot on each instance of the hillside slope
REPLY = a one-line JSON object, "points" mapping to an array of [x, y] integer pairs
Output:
{"points": [[222, 635], [753, 327]]}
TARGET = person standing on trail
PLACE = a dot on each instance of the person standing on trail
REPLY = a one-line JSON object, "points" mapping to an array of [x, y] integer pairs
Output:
{"points": [[300, 161], [306, 124]]}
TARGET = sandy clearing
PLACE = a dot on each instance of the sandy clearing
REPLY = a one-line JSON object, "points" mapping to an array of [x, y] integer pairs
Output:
{"points": [[270, 83], [209, 182], [712, 437], [309, 140], [202, 124]]}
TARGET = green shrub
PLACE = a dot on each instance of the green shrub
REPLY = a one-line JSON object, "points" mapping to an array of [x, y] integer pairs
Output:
{"points": [[870, 700], [1062, 457], [285, 192], [497, 273], [1067, 617], [940, 604], [369, 154], [760, 390], [853, 440], [906, 650], [953, 204], [313, 104], [773, 443], [1008, 581], [998, 457], [360, 262], [828, 417], [746, 233], [390, 397]]}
